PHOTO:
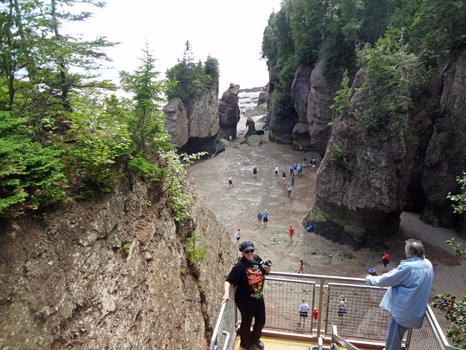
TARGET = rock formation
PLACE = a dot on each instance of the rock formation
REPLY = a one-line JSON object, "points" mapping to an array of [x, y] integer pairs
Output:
{"points": [[264, 95], [444, 126], [361, 183], [176, 122], [300, 93], [112, 273], [320, 98], [365, 180], [228, 112]]}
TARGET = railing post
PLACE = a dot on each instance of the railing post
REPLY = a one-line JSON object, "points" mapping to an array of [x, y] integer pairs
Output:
{"points": [[321, 301]]}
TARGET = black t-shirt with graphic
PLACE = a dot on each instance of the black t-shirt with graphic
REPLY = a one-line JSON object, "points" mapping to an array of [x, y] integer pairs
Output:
{"points": [[249, 279]]}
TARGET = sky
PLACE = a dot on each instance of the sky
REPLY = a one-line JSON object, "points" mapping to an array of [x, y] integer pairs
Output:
{"points": [[231, 31]]}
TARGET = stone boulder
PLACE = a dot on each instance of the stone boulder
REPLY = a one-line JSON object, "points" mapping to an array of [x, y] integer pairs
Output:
{"points": [[254, 141], [228, 112], [319, 114], [361, 183], [176, 122]]}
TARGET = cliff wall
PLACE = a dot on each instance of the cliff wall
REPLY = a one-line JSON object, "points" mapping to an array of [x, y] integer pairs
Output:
{"points": [[112, 273]]}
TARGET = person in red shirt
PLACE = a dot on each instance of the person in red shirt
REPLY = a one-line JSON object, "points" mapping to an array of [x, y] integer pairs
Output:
{"points": [[291, 230], [315, 314], [385, 262]]}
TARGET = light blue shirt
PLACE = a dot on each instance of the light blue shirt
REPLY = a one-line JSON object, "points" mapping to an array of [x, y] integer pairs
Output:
{"points": [[409, 291]]}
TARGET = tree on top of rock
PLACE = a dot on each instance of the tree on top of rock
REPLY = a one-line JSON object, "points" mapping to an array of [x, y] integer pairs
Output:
{"points": [[190, 79]]}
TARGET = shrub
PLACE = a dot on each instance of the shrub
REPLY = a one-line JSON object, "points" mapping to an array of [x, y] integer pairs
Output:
{"points": [[31, 176]]}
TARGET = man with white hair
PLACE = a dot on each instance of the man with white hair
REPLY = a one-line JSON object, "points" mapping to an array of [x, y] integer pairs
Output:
{"points": [[409, 292]]}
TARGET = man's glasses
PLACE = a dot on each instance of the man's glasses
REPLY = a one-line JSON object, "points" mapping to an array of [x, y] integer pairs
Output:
{"points": [[249, 251]]}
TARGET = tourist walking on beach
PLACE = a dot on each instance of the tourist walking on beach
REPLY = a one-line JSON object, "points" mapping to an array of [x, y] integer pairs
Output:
{"points": [[276, 170], [254, 171], [291, 232], [291, 170], [301, 266], [385, 262], [304, 161], [289, 191], [303, 309], [408, 295], [300, 169], [230, 181], [266, 217], [283, 178], [342, 308], [238, 236], [259, 218], [292, 181]]}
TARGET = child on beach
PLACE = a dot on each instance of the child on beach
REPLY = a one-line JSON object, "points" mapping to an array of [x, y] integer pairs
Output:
{"points": [[385, 262], [301, 266], [238, 236]]}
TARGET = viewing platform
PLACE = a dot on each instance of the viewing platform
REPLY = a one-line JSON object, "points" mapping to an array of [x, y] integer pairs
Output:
{"points": [[364, 325]]}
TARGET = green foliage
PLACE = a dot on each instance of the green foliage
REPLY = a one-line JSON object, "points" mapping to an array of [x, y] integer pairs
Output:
{"points": [[283, 105], [457, 247], [125, 250], [459, 199], [30, 175], [194, 253], [455, 312], [180, 200], [341, 100], [438, 27], [145, 123], [97, 143], [393, 77], [341, 156], [188, 79]]}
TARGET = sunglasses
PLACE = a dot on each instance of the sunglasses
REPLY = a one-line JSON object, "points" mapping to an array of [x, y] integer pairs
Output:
{"points": [[249, 251]]}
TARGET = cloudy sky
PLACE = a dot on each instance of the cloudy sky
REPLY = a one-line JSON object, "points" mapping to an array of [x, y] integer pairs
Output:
{"points": [[230, 31]]}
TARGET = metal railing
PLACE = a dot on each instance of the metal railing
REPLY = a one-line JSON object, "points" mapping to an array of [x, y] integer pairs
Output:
{"points": [[224, 332], [364, 321]]}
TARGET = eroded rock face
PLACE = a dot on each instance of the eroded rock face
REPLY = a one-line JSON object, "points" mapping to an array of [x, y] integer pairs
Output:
{"points": [[264, 95], [228, 112], [445, 155], [203, 121], [112, 274], [320, 99], [300, 93], [360, 193], [176, 122]]}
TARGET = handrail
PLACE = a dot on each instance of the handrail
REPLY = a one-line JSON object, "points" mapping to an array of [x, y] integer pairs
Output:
{"points": [[340, 340], [213, 340], [334, 278], [437, 330], [226, 339]]}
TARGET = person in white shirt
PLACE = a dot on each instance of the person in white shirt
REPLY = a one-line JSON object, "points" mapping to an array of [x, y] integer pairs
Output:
{"points": [[303, 309]]}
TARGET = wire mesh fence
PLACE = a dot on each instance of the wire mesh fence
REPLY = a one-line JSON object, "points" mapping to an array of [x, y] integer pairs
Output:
{"points": [[423, 338], [363, 319], [283, 299]]}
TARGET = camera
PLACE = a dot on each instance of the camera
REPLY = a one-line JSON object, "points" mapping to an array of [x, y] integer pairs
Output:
{"points": [[266, 263]]}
